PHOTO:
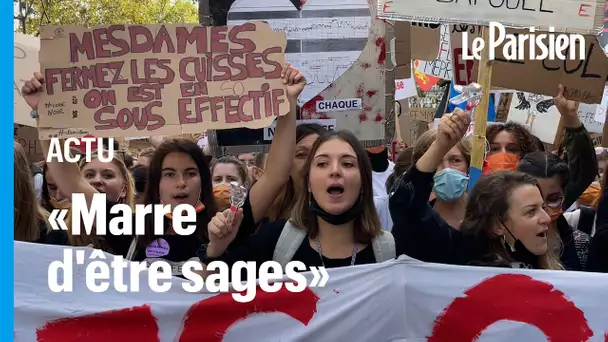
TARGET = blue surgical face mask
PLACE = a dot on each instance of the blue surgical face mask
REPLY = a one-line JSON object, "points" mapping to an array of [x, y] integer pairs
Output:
{"points": [[449, 185]]}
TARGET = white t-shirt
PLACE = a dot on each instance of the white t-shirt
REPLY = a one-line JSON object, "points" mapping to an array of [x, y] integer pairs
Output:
{"points": [[379, 180], [381, 196]]}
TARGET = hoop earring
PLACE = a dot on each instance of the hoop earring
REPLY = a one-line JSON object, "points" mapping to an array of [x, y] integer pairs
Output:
{"points": [[504, 242]]}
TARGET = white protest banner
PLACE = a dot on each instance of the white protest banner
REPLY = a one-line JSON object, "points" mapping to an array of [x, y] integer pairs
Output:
{"points": [[581, 16], [26, 62], [329, 124], [401, 300]]}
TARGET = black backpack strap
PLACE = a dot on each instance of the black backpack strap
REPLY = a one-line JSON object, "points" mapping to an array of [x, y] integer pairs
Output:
{"points": [[586, 220]]}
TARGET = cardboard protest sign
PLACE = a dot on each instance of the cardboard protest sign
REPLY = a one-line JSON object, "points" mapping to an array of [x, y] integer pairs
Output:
{"points": [[26, 63], [580, 16], [402, 49], [441, 65], [543, 117], [584, 80], [462, 69], [27, 137], [424, 41], [135, 80]]}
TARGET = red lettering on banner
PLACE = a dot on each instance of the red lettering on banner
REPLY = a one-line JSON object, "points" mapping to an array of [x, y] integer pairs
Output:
{"points": [[582, 11], [125, 325], [210, 319], [512, 297], [139, 324]]}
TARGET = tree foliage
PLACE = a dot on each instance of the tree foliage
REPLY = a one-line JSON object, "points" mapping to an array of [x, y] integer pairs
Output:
{"points": [[35, 13]]}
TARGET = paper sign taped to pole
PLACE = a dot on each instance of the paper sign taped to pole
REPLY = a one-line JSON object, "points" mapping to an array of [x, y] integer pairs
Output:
{"points": [[576, 16], [26, 62], [144, 80]]}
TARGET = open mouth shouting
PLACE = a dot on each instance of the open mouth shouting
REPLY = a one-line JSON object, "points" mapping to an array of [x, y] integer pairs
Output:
{"points": [[181, 197], [335, 191]]}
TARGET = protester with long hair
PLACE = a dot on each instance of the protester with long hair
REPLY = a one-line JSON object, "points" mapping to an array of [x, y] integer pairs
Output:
{"points": [[553, 175], [494, 213], [505, 225], [333, 224], [30, 218], [510, 142]]}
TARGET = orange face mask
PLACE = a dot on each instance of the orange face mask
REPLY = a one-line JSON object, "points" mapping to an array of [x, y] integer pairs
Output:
{"points": [[222, 196], [500, 161], [591, 196], [198, 208], [554, 213]]}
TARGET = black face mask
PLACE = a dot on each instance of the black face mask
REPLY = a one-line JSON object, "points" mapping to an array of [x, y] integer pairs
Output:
{"points": [[520, 253], [379, 160], [339, 219]]}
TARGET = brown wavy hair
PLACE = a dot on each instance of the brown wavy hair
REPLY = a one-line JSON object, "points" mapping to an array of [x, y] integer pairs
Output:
{"points": [[152, 193], [523, 138], [488, 205], [367, 225]]}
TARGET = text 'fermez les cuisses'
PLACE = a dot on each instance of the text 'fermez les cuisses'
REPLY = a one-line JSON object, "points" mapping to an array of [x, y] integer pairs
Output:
{"points": [[222, 55]]}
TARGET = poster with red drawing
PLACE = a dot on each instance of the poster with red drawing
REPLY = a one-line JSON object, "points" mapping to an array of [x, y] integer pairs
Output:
{"points": [[340, 47]]}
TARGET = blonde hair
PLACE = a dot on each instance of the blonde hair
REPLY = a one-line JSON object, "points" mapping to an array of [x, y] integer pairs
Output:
{"points": [[84, 239], [28, 212], [428, 138]]}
